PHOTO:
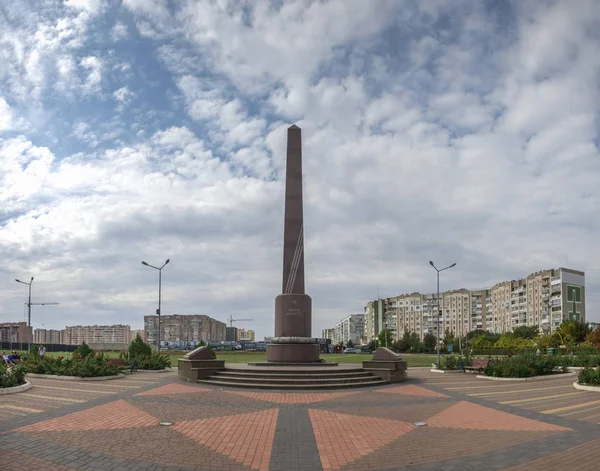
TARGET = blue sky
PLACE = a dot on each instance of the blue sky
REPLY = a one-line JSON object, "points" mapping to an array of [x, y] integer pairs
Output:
{"points": [[150, 129]]}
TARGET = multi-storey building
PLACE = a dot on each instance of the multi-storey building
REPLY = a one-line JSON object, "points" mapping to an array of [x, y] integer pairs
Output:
{"points": [[177, 328], [350, 328], [135, 332], [15, 332], [231, 334], [329, 334], [97, 334], [544, 299], [243, 334], [48, 336]]}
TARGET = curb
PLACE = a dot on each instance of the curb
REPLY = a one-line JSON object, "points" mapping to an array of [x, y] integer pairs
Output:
{"points": [[165, 370], [531, 378], [583, 387], [76, 378], [435, 370], [16, 389]]}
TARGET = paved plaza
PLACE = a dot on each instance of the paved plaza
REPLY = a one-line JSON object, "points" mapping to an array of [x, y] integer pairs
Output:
{"points": [[472, 424]]}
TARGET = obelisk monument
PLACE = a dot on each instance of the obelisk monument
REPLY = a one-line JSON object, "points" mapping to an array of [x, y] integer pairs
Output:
{"points": [[293, 341]]}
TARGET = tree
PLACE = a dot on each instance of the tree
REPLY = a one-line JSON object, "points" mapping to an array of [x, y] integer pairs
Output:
{"points": [[372, 345], [481, 342], [449, 338], [84, 350], [524, 332], [594, 336], [510, 341], [415, 343], [386, 338], [429, 342], [573, 332], [547, 341], [350, 343], [139, 349], [476, 333]]}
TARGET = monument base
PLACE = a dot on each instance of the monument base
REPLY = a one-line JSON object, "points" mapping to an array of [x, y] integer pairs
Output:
{"points": [[293, 353]]}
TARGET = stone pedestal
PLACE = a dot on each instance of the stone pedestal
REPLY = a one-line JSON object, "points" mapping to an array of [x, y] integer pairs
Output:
{"points": [[293, 342], [387, 365], [293, 353], [198, 364]]}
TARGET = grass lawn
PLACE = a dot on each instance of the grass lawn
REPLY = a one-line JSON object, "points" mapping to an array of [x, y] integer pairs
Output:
{"points": [[412, 360]]}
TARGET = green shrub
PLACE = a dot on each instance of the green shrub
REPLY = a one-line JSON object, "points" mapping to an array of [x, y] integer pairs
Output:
{"points": [[154, 362], [12, 377], [524, 365], [83, 350], [93, 365], [139, 349], [589, 377]]}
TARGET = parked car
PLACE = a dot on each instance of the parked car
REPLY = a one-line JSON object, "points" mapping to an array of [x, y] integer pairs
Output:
{"points": [[351, 350]]}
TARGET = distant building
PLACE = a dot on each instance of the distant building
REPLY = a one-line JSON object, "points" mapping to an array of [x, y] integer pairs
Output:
{"points": [[184, 328], [350, 328], [134, 333], [231, 334], [97, 334], [48, 336], [329, 334], [243, 334], [543, 299], [15, 332]]}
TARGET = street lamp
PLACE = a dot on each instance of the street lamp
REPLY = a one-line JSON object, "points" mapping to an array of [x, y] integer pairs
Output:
{"points": [[159, 294], [438, 303], [28, 311]]}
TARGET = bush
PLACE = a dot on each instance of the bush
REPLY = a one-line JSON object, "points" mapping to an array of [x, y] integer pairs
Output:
{"points": [[523, 365], [589, 377], [139, 349], [83, 350], [154, 362], [12, 377], [93, 365], [450, 362]]}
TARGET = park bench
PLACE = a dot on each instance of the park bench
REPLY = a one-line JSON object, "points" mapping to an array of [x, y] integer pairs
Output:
{"points": [[478, 365]]}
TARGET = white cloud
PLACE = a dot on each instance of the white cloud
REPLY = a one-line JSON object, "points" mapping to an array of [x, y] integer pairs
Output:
{"points": [[6, 115], [119, 31], [454, 132]]}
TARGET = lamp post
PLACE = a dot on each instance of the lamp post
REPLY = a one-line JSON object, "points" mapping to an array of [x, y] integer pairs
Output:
{"points": [[159, 294], [28, 311], [438, 304]]}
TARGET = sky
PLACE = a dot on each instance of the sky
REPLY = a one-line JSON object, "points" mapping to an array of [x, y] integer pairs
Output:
{"points": [[133, 130]]}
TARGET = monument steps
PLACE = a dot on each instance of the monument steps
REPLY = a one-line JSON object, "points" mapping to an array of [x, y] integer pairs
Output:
{"points": [[290, 375], [293, 379]]}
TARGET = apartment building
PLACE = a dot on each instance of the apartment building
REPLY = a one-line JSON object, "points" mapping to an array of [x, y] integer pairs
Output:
{"points": [[544, 299], [135, 332], [48, 336], [350, 328], [15, 332], [245, 334], [231, 334], [177, 328], [329, 334], [97, 334]]}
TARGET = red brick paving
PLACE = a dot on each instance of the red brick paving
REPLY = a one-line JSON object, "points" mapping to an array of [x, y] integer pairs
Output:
{"points": [[114, 415], [344, 438], [465, 415], [411, 390], [245, 438], [292, 398]]}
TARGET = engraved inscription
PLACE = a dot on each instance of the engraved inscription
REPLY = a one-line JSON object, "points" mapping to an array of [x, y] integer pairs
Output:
{"points": [[293, 312]]}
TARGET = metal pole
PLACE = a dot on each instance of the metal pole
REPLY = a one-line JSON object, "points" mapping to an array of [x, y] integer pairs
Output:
{"points": [[159, 299], [29, 334], [439, 315]]}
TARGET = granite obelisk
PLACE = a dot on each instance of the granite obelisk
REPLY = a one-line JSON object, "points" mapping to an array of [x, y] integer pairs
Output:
{"points": [[293, 342]]}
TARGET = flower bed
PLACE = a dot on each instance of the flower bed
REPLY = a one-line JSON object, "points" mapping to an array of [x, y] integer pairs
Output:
{"points": [[589, 377], [525, 365], [93, 365], [12, 377]]}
